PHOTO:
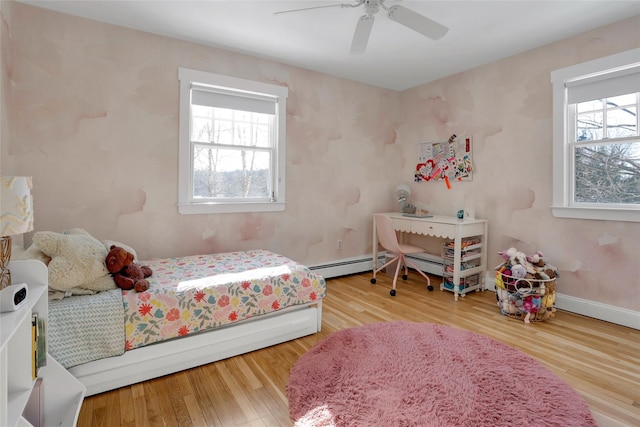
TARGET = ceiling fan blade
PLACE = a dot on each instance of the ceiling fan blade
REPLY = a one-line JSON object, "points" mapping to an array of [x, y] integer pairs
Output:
{"points": [[417, 22], [343, 5], [361, 35]]}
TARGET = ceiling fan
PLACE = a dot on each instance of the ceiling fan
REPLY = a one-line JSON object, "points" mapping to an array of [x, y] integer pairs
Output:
{"points": [[400, 14]]}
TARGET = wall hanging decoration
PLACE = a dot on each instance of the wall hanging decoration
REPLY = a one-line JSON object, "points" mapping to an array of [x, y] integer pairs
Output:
{"points": [[445, 160]]}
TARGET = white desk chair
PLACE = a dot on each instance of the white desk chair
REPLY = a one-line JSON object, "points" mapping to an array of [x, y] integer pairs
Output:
{"points": [[389, 241]]}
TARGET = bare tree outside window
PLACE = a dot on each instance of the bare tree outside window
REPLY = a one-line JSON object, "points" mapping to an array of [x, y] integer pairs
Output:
{"points": [[606, 152], [232, 153]]}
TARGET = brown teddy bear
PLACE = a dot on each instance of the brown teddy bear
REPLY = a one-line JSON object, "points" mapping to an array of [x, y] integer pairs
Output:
{"points": [[126, 273]]}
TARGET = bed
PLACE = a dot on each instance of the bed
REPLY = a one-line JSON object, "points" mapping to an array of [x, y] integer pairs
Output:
{"points": [[198, 309]]}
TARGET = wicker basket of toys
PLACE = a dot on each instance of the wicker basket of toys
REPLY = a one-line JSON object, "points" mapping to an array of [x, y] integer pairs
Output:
{"points": [[526, 286]]}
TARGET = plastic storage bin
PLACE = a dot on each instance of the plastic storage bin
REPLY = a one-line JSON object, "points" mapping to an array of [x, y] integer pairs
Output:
{"points": [[465, 282], [470, 264]]}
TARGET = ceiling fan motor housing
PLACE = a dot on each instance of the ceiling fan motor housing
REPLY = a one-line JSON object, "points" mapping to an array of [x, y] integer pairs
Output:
{"points": [[372, 6]]}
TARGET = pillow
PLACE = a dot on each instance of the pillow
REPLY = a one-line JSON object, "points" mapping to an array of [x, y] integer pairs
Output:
{"points": [[109, 243], [77, 260]]}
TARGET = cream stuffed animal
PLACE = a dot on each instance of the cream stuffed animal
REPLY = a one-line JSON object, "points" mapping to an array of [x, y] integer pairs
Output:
{"points": [[77, 261]]}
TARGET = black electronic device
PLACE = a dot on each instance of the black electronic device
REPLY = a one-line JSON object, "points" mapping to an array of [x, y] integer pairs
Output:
{"points": [[12, 297]]}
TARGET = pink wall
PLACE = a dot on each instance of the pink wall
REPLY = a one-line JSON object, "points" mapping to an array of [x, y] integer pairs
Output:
{"points": [[94, 119], [506, 107], [90, 110]]}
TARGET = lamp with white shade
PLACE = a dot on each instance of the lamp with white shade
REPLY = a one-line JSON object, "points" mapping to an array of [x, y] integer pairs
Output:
{"points": [[16, 217]]}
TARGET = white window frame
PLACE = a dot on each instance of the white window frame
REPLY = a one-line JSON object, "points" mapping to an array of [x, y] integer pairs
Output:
{"points": [[186, 203], [562, 170]]}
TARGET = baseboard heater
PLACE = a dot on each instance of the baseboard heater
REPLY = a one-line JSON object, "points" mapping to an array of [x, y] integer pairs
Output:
{"points": [[428, 263]]}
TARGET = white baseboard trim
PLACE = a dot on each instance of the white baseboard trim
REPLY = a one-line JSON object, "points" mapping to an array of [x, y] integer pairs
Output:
{"points": [[428, 263], [597, 310]]}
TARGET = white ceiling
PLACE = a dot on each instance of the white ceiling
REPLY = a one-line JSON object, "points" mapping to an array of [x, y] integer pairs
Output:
{"points": [[396, 58]]}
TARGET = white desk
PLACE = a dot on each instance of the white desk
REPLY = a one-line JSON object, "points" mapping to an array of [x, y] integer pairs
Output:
{"points": [[446, 227]]}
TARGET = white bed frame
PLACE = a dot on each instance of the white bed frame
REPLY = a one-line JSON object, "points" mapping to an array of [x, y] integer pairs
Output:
{"points": [[175, 355]]}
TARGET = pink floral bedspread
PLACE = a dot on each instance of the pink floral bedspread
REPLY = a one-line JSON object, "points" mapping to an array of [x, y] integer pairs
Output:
{"points": [[192, 294]]}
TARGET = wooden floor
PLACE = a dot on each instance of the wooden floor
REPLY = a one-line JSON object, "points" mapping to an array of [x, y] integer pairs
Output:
{"points": [[599, 359]]}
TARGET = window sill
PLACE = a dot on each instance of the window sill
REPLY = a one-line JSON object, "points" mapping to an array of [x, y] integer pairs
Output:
{"points": [[596, 213], [214, 208]]}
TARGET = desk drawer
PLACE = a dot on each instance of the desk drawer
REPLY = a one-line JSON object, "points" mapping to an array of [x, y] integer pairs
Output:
{"points": [[473, 230], [433, 229], [401, 224]]}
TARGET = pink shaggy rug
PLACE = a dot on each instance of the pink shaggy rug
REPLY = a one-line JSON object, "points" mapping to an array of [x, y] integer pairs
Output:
{"points": [[421, 374]]}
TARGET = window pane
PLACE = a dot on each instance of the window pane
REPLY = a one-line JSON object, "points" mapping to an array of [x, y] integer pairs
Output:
{"points": [[622, 122], [199, 110], [201, 130], [608, 174], [251, 135], [231, 127], [618, 101], [223, 132], [230, 173], [223, 113], [589, 106], [589, 126]]}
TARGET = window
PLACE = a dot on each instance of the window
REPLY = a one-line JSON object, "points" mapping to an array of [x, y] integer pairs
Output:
{"points": [[596, 143], [232, 144]]}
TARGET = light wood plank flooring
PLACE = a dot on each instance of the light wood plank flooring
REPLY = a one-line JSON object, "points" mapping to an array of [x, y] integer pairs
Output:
{"points": [[599, 359]]}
